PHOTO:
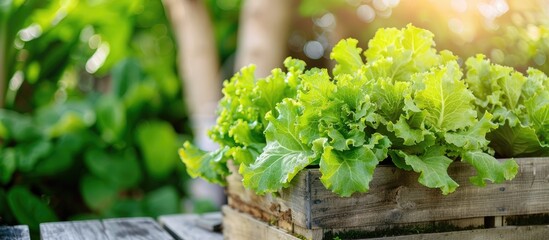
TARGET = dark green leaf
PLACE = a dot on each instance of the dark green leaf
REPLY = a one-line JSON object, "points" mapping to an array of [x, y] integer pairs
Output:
{"points": [[29, 209], [98, 194], [119, 169], [162, 201]]}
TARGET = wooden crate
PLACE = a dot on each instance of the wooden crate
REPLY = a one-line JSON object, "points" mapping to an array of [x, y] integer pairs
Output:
{"points": [[396, 201], [242, 226]]}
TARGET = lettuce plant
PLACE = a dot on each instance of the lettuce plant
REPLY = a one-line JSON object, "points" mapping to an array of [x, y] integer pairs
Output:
{"points": [[520, 105], [403, 101]]}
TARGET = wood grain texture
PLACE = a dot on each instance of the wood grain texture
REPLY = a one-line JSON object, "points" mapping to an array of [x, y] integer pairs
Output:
{"points": [[241, 226], [121, 228], [85, 230], [135, 229], [19, 232], [395, 198], [184, 227], [501, 233]]}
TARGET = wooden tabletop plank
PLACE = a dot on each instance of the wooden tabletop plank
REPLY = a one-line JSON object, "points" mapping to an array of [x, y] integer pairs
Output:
{"points": [[19, 232], [85, 230], [186, 226], [135, 229]]}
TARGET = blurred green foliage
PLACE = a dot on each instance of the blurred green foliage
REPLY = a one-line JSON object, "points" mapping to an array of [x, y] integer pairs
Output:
{"points": [[93, 112]]}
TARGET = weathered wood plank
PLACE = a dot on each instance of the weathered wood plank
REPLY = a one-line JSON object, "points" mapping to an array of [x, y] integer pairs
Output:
{"points": [[135, 229], [501, 233], [85, 230], [19, 232], [185, 226], [237, 226], [395, 197], [210, 221]]}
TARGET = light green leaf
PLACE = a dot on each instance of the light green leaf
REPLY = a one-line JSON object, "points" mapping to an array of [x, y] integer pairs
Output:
{"points": [[111, 118], [316, 8], [390, 98], [488, 168], [283, 157], [446, 99], [347, 56], [158, 143], [199, 163], [433, 169], [403, 131], [270, 91], [8, 164], [475, 137], [317, 87], [398, 54], [347, 172]]}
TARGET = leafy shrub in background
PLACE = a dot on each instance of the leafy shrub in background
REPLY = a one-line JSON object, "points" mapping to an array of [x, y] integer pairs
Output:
{"points": [[407, 102], [92, 114]]}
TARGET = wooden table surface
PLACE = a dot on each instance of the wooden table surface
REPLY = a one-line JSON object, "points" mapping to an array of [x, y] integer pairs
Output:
{"points": [[179, 227]]}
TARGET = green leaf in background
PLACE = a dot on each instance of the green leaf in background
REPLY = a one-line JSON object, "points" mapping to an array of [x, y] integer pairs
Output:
{"points": [[19, 127], [316, 7], [124, 207], [62, 155], [158, 144], [111, 118], [162, 201], [283, 157], [8, 164], [98, 194], [125, 75], [488, 168], [29, 209], [61, 119], [347, 172], [28, 154], [3, 133], [119, 169], [433, 169]]}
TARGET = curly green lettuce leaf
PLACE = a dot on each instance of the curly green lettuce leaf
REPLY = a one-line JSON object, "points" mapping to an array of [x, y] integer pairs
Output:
{"points": [[347, 172], [446, 99], [489, 169], [347, 55], [520, 106], [433, 169], [398, 54], [210, 166], [283, 157], [474, 137]]}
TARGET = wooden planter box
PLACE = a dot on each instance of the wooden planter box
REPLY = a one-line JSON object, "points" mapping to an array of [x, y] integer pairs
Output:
{"points": [[395, 201]]}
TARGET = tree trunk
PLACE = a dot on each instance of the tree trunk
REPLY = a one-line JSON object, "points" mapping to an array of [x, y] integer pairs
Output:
{"points": [[263, 34], [199, 67], [198, 63]]}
